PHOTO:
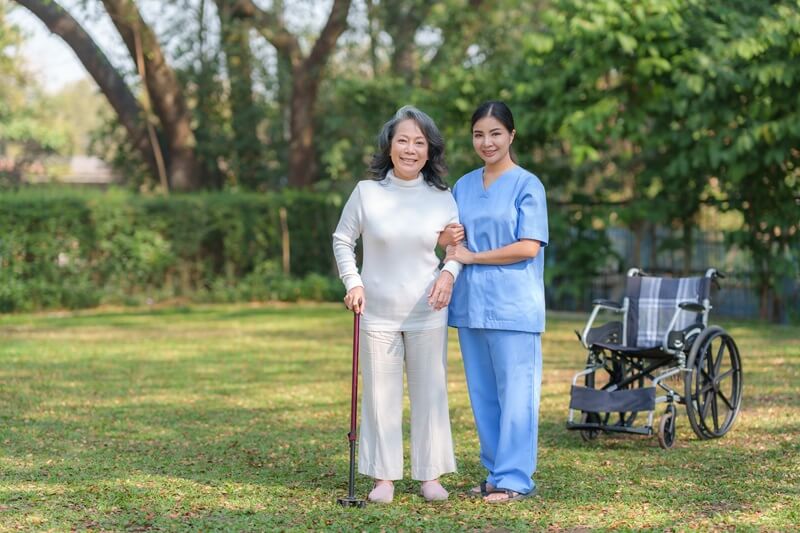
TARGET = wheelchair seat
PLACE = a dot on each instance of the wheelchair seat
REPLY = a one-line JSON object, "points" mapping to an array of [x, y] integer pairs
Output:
{"points": [[655, 352]]}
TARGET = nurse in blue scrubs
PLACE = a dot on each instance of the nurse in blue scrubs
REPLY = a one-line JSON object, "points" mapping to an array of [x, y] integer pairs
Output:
{"points": [[498, 304]]}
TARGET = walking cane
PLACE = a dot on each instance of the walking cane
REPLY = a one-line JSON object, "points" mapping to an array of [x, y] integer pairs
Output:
{"points": [[351, 500]]}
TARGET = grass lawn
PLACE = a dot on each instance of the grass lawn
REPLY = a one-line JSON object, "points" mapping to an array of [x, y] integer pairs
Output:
{"points": [[235, 418]]}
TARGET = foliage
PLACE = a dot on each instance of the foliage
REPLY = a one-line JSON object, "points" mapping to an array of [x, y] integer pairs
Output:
{"points": [[61, 249], [77, 110], [641, 114], [234, 418], [662, 107], [25, 129]]}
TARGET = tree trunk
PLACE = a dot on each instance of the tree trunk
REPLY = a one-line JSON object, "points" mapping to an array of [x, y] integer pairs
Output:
{"points": [[302, 160], [110, 82], [402, 20], [235, 41], [164, 91], [306, 74]]}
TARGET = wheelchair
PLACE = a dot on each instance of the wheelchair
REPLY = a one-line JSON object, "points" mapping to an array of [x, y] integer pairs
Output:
{"points": [[662, 343]]}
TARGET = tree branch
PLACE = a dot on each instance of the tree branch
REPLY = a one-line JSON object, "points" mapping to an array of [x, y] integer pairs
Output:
{"points": [[110, 82], [268, 24], [334, 27], [163, 88]]}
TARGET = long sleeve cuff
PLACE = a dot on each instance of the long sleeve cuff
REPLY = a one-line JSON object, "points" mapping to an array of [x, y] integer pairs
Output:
{"points": [[454, 267], [352, 280]]}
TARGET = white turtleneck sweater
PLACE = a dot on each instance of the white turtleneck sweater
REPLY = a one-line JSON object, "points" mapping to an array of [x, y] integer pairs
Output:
{"points": [[399, 222]]}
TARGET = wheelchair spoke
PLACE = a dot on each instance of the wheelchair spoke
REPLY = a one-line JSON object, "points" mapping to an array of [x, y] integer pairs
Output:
{"points": [[704, 405], [720, 353], [724, 399], [715, 412], [724, 376]]}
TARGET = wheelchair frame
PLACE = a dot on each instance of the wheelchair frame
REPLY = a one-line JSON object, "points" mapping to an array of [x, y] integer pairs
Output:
{"points": [[687, 352]]}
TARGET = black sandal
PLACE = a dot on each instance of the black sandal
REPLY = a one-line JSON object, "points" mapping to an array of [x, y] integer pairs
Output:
{"points": [[472, 493], [513, 495]]}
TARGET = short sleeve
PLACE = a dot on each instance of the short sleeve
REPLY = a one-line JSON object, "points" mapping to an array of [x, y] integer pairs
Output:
{"points": [[532, 212]]}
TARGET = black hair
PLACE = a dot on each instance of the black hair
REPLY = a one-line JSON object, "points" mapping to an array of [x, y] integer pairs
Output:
{"points": [[500, 111], [495, 109], [435, 168]]}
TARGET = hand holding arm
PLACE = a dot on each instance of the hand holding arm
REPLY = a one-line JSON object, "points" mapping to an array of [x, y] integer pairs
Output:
{"points": [[512, 253], [451, 235]]}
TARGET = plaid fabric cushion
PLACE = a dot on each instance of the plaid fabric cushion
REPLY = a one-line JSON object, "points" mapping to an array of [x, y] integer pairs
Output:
{"points": [[652, 303]]}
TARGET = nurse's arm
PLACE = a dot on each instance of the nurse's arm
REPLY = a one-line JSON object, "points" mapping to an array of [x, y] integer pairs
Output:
{"points": [[521, 250]]}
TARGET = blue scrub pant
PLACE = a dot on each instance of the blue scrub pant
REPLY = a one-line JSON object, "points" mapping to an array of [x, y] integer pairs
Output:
{"points": [[504, 378]]}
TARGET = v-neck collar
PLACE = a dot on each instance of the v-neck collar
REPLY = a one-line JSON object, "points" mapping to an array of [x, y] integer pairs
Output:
{"points": [[485, 190]]}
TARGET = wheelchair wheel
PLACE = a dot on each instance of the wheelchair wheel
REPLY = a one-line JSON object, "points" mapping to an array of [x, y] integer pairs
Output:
{"points": [[589, 434], [666, 428], [713, 390]]}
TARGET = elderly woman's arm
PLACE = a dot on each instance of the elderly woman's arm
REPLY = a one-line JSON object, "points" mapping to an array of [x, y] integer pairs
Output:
{"points": [[348, 230]]}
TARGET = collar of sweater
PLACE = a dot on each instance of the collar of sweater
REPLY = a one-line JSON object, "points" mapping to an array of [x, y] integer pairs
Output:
{"points": [[400, 182]]}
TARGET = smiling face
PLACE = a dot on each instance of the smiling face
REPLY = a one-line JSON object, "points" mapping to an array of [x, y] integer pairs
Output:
{"points": [[492, 140], [409, 151]]}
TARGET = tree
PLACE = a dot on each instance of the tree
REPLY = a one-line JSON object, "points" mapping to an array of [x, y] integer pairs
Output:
{"points": [[306, 75], [245, 116], [25, 132], [665, 107], [163, 90], [108, 79], [745, 109], [158, 78]]}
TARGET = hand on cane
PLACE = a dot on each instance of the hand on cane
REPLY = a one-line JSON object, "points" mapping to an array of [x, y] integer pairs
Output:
{"points": [[355, 300]]}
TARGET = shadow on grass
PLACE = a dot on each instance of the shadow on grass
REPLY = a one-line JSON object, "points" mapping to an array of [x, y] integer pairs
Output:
{"points": [[246, 430], [299, 459]]}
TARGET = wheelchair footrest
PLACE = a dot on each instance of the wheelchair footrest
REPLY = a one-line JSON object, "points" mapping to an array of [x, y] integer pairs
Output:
{"points": [[617, 401], [639, 430]]}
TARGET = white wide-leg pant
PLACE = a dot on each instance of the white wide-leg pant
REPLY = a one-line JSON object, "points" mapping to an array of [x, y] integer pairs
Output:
{"points": [[382, 355]]}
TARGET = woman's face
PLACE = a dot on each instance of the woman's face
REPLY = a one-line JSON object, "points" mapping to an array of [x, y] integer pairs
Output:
{"points": [[491, 140], [409, 150]]}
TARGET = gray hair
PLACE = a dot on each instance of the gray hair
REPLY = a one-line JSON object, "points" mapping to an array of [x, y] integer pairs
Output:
{"points": [[435, 167]]}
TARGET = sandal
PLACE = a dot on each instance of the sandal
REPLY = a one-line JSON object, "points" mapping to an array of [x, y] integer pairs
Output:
{"points": [[480, 491], [511, 496]]}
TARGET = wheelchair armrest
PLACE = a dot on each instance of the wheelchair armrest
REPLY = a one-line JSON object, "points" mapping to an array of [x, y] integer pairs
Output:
{"points": [[692, 306], [598, 305], [674, 339], [608, 304]]}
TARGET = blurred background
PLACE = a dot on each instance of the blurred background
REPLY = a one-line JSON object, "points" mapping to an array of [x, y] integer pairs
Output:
{"points": [[201, 150]]}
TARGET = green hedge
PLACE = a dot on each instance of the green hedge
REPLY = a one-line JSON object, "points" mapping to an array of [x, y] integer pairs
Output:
{"points": [[78, 249]]}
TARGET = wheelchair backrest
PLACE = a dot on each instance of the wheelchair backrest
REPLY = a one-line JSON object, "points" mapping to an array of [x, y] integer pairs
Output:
{"points": [[652, 303]]}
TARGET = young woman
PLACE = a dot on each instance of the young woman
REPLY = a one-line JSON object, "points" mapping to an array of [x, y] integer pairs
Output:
{"points": [[498, 304], [403, 297]]}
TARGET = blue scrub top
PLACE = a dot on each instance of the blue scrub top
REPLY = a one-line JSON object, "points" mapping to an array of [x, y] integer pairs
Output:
{"points": [[508, 297]]}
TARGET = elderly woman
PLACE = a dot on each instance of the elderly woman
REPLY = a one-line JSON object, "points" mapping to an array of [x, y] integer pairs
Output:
{"points": [[403, 297]]}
